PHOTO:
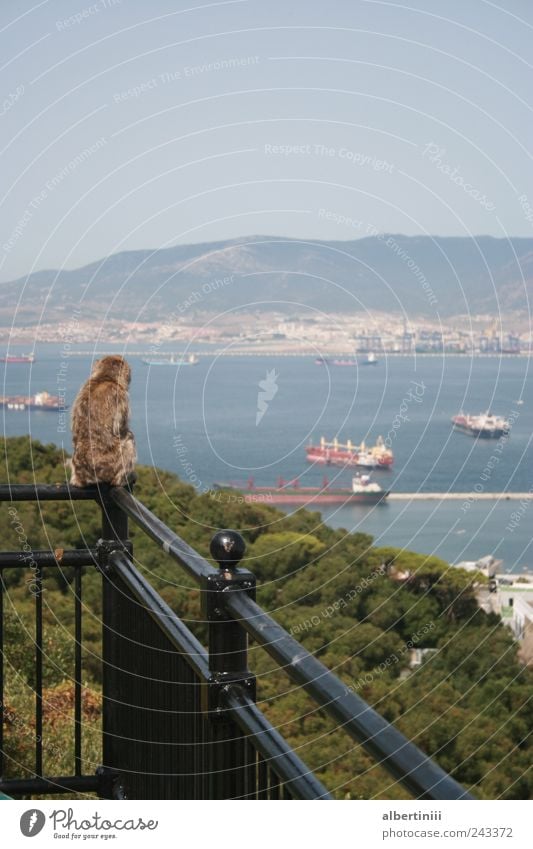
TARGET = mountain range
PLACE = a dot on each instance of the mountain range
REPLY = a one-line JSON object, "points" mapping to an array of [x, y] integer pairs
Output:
{"points": [[423, 276]]}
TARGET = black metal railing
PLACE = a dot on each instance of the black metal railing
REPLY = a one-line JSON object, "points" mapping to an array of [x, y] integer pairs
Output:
{"points": [[180, 721]]}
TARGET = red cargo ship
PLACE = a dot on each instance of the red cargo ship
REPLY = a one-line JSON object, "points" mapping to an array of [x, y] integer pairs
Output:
{"points": [[337, 453]]}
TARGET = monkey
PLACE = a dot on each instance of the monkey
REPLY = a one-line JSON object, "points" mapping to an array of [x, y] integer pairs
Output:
{"points": [[104, 446]]}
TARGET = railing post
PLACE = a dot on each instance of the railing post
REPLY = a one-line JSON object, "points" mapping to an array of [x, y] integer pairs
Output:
{"points": [[114, 520], [114, 536], [228, 663]]}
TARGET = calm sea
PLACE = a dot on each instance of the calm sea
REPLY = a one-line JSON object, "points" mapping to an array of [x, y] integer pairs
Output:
{"points": [[204, 423]]}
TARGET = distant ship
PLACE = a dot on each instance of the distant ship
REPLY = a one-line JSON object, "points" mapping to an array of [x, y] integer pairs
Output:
{"points": [[337, 453], [172, 360], [337, 361], [484, 426], [362, 491], [40, 401], [18, 358], [344, 363], [370, 360]]}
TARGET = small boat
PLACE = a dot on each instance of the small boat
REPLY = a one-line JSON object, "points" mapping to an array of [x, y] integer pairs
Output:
{"points": [[362, 491], [172, 360], [371, 360], [484, 426]]}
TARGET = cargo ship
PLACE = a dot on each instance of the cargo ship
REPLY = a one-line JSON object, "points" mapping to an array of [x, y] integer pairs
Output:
{"points": [[18, 358], [39, 401], [370, 360], [362, 491], [337, 361], [484, 426], [172, 360], [337, 453]]}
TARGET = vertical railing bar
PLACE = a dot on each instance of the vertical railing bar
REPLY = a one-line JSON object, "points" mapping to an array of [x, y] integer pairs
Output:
{"points": [[38, 674], [196, 719], [114, 529], [2, 706], [262, 778], [77, 672], [274, 785], [201, 750], [237, 764], [251, 771]]}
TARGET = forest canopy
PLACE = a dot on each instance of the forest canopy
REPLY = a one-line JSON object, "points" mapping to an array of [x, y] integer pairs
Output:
{"points": [[419, 648]]}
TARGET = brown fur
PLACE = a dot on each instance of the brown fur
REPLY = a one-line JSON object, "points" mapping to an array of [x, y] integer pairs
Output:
{"points": [[104, 446]]}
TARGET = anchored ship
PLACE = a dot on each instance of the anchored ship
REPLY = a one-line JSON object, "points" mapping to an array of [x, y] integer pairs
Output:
{"points": [[18, 358], [39, 401], [362, 491], [340, 362], [172, 360], [337, 453], [484, 426], [336, 361], [370, 360]]}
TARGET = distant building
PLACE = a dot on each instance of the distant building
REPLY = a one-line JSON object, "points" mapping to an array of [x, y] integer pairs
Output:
{"points": [[418, 656], [511, 598], [488, 565]]}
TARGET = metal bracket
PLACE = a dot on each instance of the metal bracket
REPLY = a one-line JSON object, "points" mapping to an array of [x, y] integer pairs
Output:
{"points": [[111, 784], [213, 690], [215, 589]]}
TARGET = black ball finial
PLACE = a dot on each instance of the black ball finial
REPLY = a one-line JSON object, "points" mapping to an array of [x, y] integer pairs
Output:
{"points": [[227, 548]]}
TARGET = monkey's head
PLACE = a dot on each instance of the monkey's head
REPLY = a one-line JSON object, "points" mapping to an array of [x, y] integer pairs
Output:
{"points": [[113, 368]]}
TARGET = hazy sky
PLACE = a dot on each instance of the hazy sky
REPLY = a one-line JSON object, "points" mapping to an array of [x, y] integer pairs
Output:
{"points": [[132, 125]]}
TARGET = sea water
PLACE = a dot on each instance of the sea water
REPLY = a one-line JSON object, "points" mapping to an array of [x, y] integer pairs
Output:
{"points": [[232, 418]]}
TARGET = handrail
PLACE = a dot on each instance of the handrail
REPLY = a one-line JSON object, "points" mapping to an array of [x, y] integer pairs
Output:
{"points": [[63, 784], [405, 761], [300, 781], [76, 558], [48, 492]]}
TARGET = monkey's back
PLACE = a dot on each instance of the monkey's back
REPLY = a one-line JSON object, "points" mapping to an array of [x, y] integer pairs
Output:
{"points": [[99, 426]]}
